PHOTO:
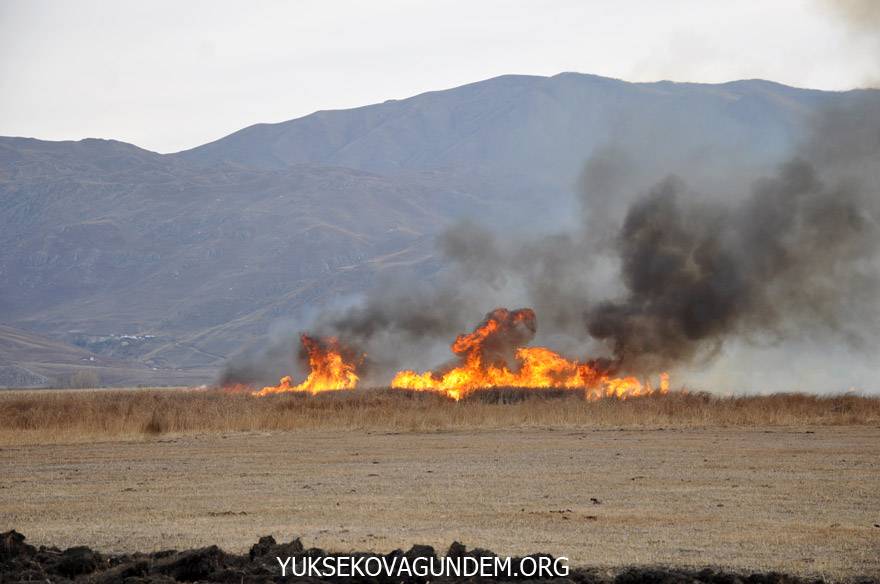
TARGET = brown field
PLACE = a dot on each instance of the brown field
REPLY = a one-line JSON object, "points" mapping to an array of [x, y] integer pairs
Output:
{"points": [[788, 483]]}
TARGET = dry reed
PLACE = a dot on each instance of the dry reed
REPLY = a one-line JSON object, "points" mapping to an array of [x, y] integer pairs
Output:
{"points": [[28, 417]]}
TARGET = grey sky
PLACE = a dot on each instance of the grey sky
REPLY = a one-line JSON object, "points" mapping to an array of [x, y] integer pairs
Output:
{"points": [[169, 75]]}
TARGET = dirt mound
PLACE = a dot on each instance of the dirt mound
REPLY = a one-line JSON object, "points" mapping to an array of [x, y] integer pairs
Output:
{"points": [[21, 562]]}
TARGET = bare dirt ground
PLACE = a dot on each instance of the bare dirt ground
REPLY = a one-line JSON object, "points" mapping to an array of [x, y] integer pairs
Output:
{"points": [[801, 500]]}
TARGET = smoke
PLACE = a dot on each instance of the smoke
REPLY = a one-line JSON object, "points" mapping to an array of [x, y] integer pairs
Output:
{"points": [[797, 253], [265, 363], [666, 278], [862, 18], [860, 15], [663, 275], [495, 340]]}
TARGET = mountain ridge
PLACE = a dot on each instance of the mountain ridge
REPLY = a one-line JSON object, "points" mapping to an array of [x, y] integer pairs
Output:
{"points": [[658, 83]]}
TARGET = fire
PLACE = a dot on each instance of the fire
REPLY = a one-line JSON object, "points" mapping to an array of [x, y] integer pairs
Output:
{"points": [[331, 369], [493, 355], [485, 356]]}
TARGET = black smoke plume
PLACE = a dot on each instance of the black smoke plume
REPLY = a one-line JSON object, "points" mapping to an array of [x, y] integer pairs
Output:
{"points": [[664, 275], [796, 252], [496, 339]]}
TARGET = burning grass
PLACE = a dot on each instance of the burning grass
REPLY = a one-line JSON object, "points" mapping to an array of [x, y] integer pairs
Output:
{"points": [[30, 417], [493, 355]]}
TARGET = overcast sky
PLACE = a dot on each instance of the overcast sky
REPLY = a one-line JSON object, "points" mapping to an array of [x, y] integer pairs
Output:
{"points": [[169, 75]]}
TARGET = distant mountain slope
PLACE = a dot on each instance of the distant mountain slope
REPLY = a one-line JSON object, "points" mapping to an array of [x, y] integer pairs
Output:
{"points": [[31, 360], [542, 127], [198, 252], [19, 345], [100, 238]]}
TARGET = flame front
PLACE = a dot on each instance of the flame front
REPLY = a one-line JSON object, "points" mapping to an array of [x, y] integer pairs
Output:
{"points": [[493, 355], [330, 370], [483, 364]]}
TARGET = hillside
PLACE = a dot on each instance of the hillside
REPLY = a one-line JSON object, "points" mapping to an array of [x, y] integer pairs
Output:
{"points": [[197, 253], [118, 241], [541, 127], [31, 360]]}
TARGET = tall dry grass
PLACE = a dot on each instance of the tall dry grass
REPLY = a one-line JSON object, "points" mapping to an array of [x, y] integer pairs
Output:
{"points": [[75, 416]]}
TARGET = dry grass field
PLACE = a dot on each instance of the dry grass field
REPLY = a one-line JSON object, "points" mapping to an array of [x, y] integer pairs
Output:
{"points": [[76, 416], [786, 483]]}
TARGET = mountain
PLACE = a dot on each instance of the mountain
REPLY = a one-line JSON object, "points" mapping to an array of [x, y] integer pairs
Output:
{"points": [[173, 262], [540, 127]]}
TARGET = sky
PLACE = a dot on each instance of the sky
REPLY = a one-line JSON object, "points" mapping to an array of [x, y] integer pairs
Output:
{"points": [[170, 75]]}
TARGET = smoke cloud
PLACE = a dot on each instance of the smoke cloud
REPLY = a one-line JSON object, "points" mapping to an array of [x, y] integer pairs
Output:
{"points": [[861, 15], [662, 275], [862, 18], [796, 253]]}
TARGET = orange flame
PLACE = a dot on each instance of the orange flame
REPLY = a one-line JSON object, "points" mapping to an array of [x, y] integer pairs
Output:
{"points": [[485, 353], [330, 370], [493, 355]]}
